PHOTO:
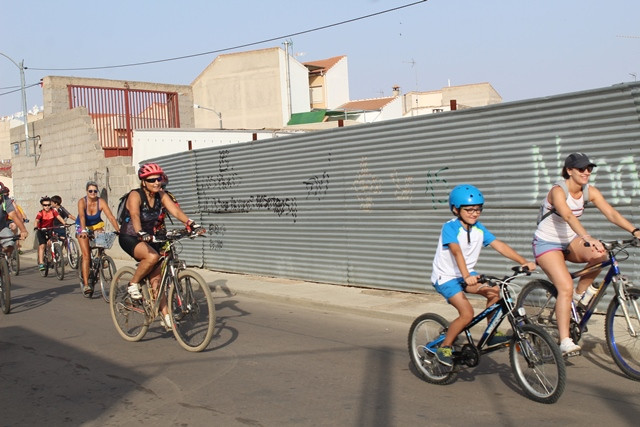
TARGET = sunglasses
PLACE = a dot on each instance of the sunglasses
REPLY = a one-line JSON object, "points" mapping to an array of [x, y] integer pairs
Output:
{"points": [[588, 168], [473, 210], [92, 191], [46, 205], [152, 180]]}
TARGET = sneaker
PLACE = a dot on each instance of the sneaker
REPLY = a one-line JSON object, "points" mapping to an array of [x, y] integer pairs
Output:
{"points": [[166, 321], [134, 291], [499, 338], [445, 356], [569, 348], [87, 290], [41, 267]]}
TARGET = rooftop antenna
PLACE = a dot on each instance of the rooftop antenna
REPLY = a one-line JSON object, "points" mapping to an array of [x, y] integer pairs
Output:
{"points": [[413, 65], [634, 76]]}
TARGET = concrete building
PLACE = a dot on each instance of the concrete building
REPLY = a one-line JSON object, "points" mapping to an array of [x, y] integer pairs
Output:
{"points": [[465, 96], [258, 89], [328, 82]]}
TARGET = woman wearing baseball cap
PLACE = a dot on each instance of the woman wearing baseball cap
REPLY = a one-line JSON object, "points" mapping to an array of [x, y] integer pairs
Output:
{"points": [[561, 236]]}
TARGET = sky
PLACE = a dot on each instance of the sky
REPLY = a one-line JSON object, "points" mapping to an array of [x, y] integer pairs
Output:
{"points": [[524, 49]]}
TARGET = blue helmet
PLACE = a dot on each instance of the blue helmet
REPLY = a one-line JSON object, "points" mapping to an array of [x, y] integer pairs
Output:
{"points": [[465, 195]]}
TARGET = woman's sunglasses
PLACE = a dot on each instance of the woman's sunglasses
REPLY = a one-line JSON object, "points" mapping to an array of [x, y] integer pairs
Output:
{"points": [[152, 180], [92, 191]]}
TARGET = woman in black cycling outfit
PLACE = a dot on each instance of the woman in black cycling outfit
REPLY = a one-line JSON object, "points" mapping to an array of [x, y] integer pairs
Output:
{"points": [[143, 209]]}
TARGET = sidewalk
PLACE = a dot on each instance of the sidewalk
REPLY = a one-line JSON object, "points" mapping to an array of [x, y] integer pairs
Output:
{"points": [[396, 306]]}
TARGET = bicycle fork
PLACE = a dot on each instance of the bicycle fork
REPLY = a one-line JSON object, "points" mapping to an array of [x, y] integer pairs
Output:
{"points": [[620, 283]]}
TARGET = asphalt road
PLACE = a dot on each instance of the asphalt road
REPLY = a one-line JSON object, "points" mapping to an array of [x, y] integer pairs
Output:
{"points": [[269, 364]]}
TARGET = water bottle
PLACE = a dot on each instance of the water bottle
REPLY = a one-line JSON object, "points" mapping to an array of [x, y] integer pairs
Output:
{"points": [[588, 294]]}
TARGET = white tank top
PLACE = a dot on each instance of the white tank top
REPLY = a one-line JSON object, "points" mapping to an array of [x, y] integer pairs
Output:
{"points": [[555, 229]]}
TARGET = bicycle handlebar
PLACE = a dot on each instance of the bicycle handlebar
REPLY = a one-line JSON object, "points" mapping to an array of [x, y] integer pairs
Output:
{"points": [[613, 244], [174, 235], [518, 270]]}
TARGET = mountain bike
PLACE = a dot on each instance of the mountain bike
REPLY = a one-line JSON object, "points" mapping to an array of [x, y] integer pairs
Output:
{"points": [[70, 245], [622, 318], [101, 265], [189, 299], [535, 358], [5, 279], [53, 254]]}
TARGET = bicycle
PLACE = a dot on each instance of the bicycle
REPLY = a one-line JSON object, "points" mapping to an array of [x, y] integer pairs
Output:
{"points": [[189, 299], [101, 265], [535, 358], [70, 245], [5, 279], [53, 254], [622, 318]]}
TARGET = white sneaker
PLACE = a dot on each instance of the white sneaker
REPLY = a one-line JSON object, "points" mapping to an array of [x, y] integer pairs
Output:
{"points": [[568, 348], [166, 320], [134, 291]]}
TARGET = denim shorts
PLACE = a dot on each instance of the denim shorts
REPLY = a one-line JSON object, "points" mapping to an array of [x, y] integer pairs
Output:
{"points": [[451, 287], [541, 247]]}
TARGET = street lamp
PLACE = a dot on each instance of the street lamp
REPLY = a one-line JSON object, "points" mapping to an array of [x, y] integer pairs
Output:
{"points": [[210, 109], [24, 100]]}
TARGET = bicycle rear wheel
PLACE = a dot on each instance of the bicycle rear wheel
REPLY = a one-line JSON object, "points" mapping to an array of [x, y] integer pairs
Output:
{"points": [[537, 364], [107, 271], [427, 328], [58, 261], [73, 253], [193, 311], [128, 315], [5, 287], [538, 298], [622, 336], [14, 262]]}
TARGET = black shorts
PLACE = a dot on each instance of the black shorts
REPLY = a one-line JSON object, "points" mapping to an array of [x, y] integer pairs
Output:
{"points": [[128, 244], [42, 236]]}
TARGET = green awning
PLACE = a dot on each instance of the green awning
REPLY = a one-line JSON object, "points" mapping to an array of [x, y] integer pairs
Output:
{"points": [[315, 116]]}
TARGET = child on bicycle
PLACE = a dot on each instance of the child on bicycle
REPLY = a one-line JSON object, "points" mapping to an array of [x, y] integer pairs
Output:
{"points": [[56, 204], [459, 245], [45, 219]]}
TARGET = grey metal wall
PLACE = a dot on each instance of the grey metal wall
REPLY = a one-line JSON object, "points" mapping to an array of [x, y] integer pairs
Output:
{"points": [[364, 205]]}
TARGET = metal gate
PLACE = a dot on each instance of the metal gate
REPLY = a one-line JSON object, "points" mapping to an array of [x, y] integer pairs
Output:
{"points": [[116, 112]]}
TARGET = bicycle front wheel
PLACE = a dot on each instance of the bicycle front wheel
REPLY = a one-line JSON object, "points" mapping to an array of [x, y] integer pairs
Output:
{"points": [[538, 365], [73, 253], [193, 311], [538, 298], [622, 333], [58, 261], [128, 314], [45, 262], [107, 271], [5, 287], [14, 262], [425, 329]]}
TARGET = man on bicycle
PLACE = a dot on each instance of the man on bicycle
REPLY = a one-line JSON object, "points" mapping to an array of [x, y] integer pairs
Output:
{"points": [[45, 220], [8, 213]]}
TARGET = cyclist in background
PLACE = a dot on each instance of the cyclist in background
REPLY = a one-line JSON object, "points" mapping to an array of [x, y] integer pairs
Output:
{"points": [[560, 236], [56, 203], [9, 214], [459, 245], [90, 208], [4, 190], [144, 206], [46, 218]]}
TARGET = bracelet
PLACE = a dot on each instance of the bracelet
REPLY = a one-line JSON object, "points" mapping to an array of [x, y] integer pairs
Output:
{"points": [[634, 231]]}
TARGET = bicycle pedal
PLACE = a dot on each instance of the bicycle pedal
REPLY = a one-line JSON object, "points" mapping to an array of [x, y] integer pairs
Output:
{"points": [[572, 354]]}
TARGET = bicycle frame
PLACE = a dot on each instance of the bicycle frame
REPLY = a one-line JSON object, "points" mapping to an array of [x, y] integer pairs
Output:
{"points": [[500, 310], [581, 319], [169, 272]]}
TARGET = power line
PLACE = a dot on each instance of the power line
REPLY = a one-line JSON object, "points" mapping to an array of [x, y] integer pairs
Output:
{"points": [[18, 90], [324, 27]]}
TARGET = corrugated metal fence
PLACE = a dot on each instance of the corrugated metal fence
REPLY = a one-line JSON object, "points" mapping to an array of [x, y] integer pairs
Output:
{"points": [[364, 205]]}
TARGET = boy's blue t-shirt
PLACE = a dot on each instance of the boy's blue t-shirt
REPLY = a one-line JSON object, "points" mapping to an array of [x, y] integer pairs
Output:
{"points": [[444, 264]]}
